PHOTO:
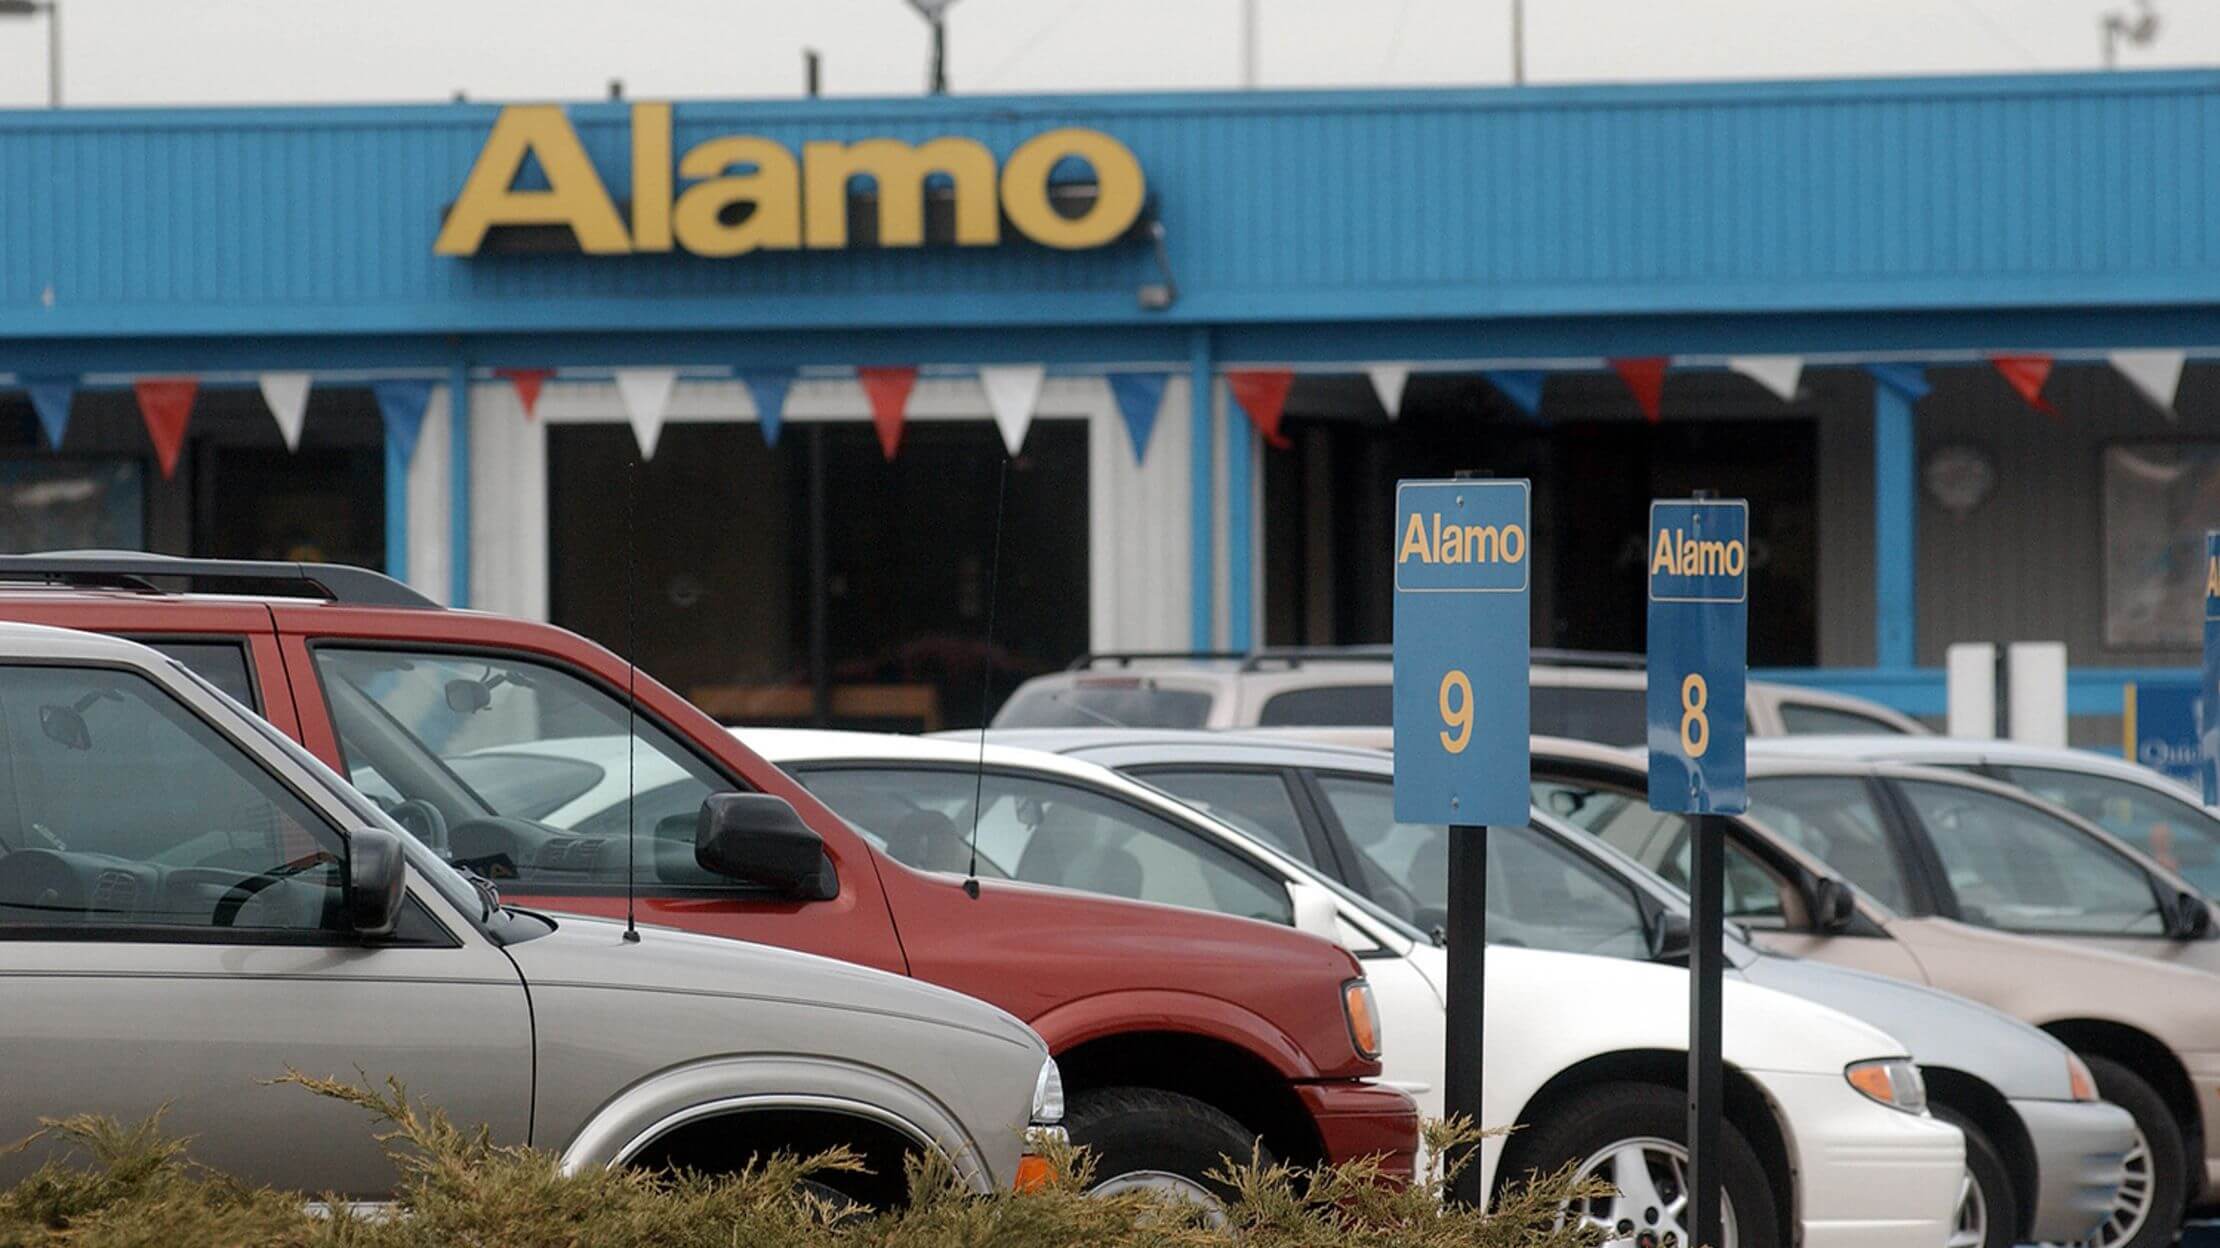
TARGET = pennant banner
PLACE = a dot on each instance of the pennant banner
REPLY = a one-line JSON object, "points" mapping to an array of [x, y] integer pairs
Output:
{"points": [[1523, 386], [166, 404], [647, 399], [1644, 376], [1262, 394], [1909, 381], [1013, 390], [402, 402], [2156, 375], [50, 398], [527, 382], [889, 392], [1388, 381], [2026, 375], [1139, 395], [1778, 373], [767, 387], [287, 396]]}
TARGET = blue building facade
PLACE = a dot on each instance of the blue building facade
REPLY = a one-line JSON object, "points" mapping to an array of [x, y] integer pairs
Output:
{"points": [[1926, 223]]}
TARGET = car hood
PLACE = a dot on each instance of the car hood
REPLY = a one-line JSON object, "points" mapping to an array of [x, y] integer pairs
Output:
{"points": [[1939, 1030], [592, 953]]}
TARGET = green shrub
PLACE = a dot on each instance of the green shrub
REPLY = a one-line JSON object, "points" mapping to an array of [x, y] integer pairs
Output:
{"points": [[123, 1187]]}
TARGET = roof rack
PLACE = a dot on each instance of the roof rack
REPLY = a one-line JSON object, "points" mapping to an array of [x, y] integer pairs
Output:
{"points": [[140, 572], [1127, 658], [1296, 656]]}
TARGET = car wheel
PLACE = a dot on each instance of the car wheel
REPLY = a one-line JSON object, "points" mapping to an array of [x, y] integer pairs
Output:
{"points": [[2151, 1199], [1149, 1139], [1988, 1204], [1631, 1135]]}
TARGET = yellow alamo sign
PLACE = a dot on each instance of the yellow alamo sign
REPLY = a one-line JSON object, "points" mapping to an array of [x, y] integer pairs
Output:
{"points": [[796, 203]]}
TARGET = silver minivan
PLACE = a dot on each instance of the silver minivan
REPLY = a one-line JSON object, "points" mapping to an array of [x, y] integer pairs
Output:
{"points": [[191, 905]]}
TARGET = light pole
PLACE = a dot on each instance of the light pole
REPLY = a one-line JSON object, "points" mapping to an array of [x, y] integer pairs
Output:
{"points": [[935, 13], [53, 11], [2139, 30]]}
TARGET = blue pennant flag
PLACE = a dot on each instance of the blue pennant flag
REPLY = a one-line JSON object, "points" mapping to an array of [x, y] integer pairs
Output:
{"points": [[1138, 396], [402, 403], [50, 398], [1523, 386], [1908, 380], [767, 386]]}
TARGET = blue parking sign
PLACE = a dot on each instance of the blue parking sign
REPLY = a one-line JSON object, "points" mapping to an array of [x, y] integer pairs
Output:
{"points": [[1699, 614], [2208, 727], [1461, 635]]}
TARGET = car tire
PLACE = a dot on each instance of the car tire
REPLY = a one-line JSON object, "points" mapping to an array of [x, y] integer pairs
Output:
{"points": [[2157, 1162], [1594, 1129], [1988, 1201], [1153, 1139]]}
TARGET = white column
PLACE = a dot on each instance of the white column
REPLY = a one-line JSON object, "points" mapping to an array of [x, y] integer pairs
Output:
{"points": [[428, 503], [1137, 521]]}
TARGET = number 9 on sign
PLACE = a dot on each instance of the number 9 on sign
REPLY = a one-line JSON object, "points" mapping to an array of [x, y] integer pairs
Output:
{"points": [[1456, 711]]}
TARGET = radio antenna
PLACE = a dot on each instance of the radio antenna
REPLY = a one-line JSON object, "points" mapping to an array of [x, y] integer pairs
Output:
{"points": [[631, 688], [986, 675]]}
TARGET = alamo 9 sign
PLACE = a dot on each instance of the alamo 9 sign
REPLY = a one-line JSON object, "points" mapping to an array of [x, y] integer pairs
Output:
{"points": [[1699, 614], [1461, 578]]}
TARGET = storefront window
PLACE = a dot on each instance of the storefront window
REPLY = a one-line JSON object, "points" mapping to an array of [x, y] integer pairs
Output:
{"points": [[2159, 498]]}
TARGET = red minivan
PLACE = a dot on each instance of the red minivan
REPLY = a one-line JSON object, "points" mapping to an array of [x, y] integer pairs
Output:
{"points": [[1182, 1035]]}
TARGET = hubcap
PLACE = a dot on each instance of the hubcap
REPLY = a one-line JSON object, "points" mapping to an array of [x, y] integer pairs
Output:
{"points": [[1649, 1207], [2132, 1207], [1972, 1227], [1164, 1183]]}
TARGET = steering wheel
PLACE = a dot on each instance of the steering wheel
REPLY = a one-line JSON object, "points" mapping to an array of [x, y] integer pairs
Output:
{"points": [[424, 821], [238, 895]]}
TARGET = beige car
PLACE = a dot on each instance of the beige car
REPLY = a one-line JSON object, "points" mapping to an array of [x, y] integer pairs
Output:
{"points": [[1942, 865]]}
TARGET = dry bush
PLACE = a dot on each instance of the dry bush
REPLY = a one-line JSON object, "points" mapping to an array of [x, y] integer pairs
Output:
{"points": [[125, 1187]]}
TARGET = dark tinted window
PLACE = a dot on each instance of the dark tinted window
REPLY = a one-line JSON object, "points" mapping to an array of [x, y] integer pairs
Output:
{"points": [[1257, 802], [1135, 705], [220, 663], [1607, 716], [1330, 706], [1806, 719]]}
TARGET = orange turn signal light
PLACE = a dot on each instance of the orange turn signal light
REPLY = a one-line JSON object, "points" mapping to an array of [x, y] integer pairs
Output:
{"points": [[1033, 1173]]}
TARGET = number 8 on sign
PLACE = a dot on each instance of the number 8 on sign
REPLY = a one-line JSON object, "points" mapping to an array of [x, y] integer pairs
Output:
{"points": [[1695, 727], [1458, 717]]}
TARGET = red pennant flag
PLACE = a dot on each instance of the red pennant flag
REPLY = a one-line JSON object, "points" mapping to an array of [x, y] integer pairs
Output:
{"points": [[527, 382], [889, 392], [2026, 375], [1645, 377], [166, 404], [1262, 393]]}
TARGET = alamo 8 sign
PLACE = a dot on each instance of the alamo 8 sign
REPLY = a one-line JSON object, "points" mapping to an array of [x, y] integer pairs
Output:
{"points": [[1461, 582], [2208, 715], [1699, 614]]}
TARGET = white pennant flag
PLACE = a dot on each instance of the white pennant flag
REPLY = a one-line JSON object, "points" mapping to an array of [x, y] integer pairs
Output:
{"points": [[2156, 374], [1387, 382], [287, 395], [1778, 373], [1012, 391], [647, 396]]}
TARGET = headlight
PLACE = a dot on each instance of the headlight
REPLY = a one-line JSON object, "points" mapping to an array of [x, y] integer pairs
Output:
{"points": [[1048, 1094], [1894, 1082], [1364, 1018], [2078, 1078]]}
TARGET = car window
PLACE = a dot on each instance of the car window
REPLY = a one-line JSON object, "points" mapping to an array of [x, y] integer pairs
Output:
{"points": [[1134, 702], [1330, 706], [1755, 895], [518, 770], [1833, 818], [121, 808], [1046, 832], [2015, 867], [1585, 713], [220, 663], [1404, 867], [1811, 719], [1259, 803], [2182, 837]]}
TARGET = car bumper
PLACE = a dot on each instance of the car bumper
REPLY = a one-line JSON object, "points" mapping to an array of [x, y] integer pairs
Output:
{"points": [[2080, 1151], [1867, 1176], [2204, 1080], [1360, 1119]]}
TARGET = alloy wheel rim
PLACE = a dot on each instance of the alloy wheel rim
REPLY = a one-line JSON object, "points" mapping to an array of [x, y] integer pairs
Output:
{"points": [[1649, 1203], [1971, 1229], [2132, 1207], [1176, 1187]]}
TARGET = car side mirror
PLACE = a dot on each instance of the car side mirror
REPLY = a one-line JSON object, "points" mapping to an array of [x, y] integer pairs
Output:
{"points": [[1833, 905], [760, 839], [1316, 911], [377, 880], [1669, 937], [2190, 918]]}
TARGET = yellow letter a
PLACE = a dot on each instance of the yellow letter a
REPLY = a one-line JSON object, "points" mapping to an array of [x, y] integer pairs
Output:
{"points": [[574, 196], [1414, 538]]}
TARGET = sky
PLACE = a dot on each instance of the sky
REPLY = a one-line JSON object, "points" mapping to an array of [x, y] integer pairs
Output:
{"points": [[158, 52]]}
